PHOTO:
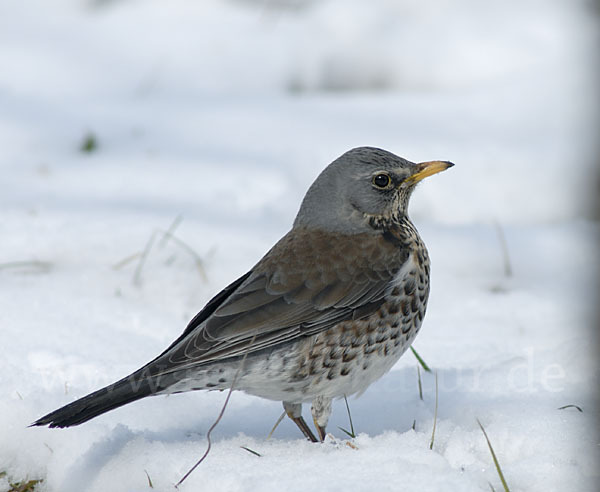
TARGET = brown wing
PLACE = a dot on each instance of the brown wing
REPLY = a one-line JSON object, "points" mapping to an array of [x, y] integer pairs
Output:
{"points": [[306, 284]]}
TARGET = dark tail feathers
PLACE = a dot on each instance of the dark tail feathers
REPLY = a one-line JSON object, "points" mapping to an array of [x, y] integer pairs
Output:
{"points": [[134, 387]]}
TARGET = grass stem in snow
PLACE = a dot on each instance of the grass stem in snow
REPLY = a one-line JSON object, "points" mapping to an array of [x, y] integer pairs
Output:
{"points": [[137, 275], [571, 406], [434, 412], [170, 231], [351, 433], [276, 424], [150, 484], [251, 451], [498, 469], [219, 417]]}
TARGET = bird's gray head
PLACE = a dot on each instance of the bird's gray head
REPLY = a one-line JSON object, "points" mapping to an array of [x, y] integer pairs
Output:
{"points": [[364, 188]]}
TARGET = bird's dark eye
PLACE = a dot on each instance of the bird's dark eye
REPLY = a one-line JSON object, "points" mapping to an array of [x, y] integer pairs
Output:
{"points": [[382, 180]]}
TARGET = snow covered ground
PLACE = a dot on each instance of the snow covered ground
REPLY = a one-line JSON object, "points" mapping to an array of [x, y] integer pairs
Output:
{"points": [[222, 113]]}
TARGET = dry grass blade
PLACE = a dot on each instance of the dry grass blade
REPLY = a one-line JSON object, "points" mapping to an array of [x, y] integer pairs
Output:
{"points": [[434, 413], [34, 266], [197, 258], [421, 361], [170, 231], [208, 434], [143, 255], [276, 425], [128, 259], [137, 275], [167, 235], [219, 417], [496, 463]]}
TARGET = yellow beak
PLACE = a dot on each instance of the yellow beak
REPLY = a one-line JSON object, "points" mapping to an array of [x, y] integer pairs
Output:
{"points": [[425, 169]]}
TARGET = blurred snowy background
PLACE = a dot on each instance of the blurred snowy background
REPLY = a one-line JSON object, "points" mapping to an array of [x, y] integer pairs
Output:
{"points": [[119, 116]]}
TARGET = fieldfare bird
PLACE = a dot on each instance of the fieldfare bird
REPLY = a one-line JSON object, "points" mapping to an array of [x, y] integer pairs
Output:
{"points": [[327, 311]]}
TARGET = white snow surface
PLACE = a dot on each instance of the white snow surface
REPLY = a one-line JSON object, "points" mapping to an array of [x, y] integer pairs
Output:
{"points": [[222, 113]]}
